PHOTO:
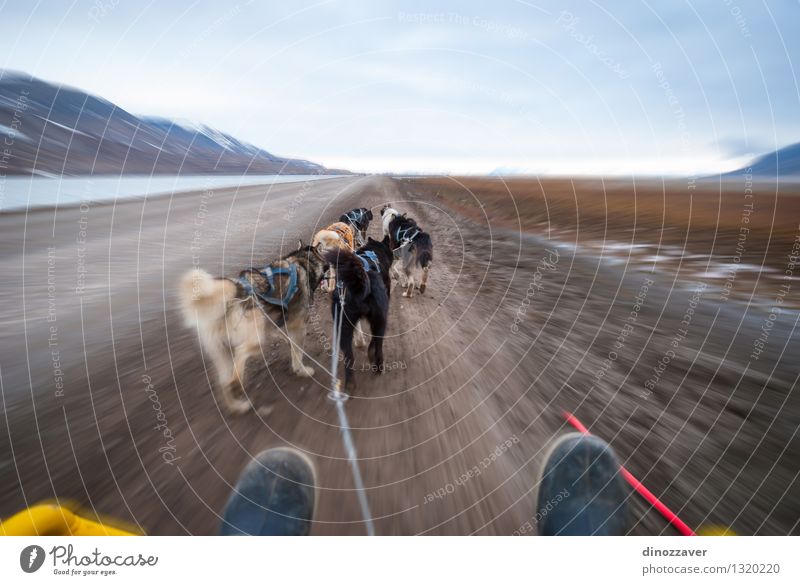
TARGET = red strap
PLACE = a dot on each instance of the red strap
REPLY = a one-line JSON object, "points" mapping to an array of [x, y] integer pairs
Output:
{"points": [[673, 519]]}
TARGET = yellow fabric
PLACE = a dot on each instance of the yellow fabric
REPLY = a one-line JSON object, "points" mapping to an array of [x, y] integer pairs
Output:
{"points": [[55, 520], [715, 530]]}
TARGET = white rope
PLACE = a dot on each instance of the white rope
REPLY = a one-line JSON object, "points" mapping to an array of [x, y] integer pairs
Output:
{"points": [[339, 399], [357, 235]]}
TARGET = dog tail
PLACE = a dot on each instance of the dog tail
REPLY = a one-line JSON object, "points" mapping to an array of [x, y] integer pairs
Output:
{"points": [[350, 271], [424, 247], [203, 298]]}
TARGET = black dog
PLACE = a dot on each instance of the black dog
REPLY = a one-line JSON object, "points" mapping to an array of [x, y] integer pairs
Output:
{"points": [[359, 220], [414, 250], [363, 280]]}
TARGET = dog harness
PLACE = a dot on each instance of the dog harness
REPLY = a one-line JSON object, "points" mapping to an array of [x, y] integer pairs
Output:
{"points": [[345, 232], [355, 216], [368, 256], [402, 235], [269, 273]]}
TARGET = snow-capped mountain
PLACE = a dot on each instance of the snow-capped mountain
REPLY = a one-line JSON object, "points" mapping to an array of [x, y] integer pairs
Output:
{"points": [[784, 162], [47, 129]]}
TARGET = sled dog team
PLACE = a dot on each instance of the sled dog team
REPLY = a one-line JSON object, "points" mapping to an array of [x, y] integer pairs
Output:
{"points": [[232, 315]]}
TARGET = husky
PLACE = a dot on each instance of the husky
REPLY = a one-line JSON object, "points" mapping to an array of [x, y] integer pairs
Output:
{"points": [[359, 220], [387, 215], [413, 249], [232, 316], [363, 286]]}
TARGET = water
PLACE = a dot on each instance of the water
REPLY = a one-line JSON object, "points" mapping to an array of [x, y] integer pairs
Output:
{"points": [[19, 193]]}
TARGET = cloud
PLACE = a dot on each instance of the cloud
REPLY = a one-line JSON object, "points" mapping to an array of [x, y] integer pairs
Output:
{"points": [[489, 84]]}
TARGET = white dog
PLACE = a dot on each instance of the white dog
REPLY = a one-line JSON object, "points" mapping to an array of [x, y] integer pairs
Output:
{"points": [[387, 215]]}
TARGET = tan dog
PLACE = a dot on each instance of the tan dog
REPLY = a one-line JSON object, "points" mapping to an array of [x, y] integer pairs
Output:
{"points": [[337, 235], [232, 316]]}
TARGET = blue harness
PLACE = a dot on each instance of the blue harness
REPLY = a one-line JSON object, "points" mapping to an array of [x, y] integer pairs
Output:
{"points": [[355, 216], [269, 273], [368, 256]]}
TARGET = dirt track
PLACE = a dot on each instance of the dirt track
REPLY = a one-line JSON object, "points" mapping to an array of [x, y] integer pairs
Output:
{"points": [[470, 374]]}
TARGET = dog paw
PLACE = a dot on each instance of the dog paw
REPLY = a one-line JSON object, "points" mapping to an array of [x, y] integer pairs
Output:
{"points": [[238, 407], [305, 372], [265, 410], [422, 289], [360, 341]]}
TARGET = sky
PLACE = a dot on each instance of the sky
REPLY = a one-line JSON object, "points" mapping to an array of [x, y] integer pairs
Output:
{"points": [[611, 87]]}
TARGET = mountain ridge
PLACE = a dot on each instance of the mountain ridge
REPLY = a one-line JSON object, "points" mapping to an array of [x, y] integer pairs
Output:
{"points": [[782, 162], [54, 130]]}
